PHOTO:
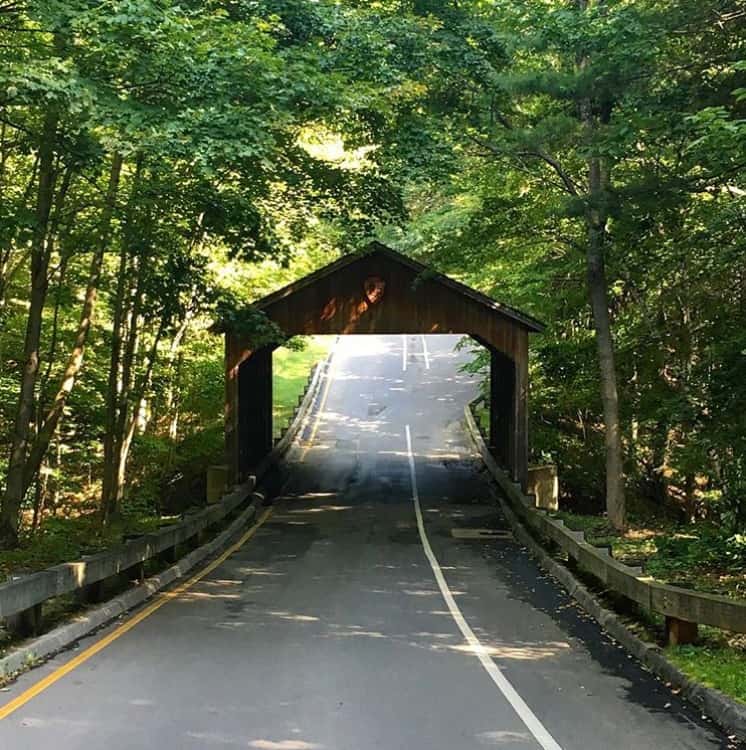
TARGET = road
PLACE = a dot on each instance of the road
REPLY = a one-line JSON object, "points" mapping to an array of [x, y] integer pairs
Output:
{"points": [[366, 612]]}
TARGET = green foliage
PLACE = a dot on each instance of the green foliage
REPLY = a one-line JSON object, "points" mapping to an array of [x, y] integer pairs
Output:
{"points": [[685, 555], [259, 139], [292, 365], [211, 108], [665, 85], [251, 323]]}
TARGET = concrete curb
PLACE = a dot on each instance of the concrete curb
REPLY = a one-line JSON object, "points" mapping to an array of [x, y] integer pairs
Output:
{"points": [[29, 654], [723, 710]]}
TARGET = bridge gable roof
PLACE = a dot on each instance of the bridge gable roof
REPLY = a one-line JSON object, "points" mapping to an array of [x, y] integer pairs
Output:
{"points": [[414, 299]]}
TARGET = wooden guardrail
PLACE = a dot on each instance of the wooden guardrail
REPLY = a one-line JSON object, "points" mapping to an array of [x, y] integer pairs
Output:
{"points": [[683, 608], [22, 597]]}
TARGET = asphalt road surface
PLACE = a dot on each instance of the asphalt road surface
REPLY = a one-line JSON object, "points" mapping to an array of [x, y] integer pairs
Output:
{"points": [[370, 609]]}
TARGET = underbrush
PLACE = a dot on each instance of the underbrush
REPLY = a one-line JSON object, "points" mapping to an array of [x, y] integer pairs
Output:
{"points": [[166, 479], [699, 556], [64, 538]]}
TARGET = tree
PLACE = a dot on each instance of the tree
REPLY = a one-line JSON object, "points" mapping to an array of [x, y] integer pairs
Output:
{"points": [[584, 116], [138, 138]]}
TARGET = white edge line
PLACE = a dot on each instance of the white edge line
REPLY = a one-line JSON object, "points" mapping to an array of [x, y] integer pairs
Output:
{"points": [[527, 716], [424, 351], [404, 353]]}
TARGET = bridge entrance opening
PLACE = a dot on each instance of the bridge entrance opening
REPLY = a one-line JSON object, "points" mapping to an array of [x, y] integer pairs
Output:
{"points": [[377, 291]]}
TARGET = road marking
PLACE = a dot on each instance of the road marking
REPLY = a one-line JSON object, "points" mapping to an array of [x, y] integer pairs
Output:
{"points": [[322, 405], [529, 718], [404, 354], [424, 351], [162, 599]]}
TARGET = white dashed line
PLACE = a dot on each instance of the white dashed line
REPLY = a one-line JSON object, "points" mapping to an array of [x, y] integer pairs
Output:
{"points": [[424, 351]]}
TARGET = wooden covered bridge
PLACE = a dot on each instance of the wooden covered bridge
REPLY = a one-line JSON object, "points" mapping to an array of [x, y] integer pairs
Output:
{"points": [[379, 291]]}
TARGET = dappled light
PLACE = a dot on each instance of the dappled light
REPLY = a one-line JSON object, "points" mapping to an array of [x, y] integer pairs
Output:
{"points": [[514, 651], [293, 617], [321, 509], [284, 745], [502, 737]]}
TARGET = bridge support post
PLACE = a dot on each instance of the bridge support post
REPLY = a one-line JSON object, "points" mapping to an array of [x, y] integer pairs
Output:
{"points": [[254, 410], [234, 356], [680, 632], [509, 410], [502, 413], [25, 624]]}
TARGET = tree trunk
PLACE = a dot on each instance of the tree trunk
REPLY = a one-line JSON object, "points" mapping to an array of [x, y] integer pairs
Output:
{"points": [[113, 388], [117, 408], [597, 288], [174, 368], [115, 385], [14, 488], [595, 113], [75, 359], [126, 423]]}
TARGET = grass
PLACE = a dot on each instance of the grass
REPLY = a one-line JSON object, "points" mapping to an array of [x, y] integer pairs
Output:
{"points": [[719, 666], [291, 369]]}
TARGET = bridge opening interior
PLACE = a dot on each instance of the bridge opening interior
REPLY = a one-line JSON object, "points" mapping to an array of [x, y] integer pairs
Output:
{"points": [[409, 365], [380, 292]]}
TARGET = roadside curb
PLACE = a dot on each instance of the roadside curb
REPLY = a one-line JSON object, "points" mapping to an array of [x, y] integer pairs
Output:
{"points": [[30, 654], [723, 710]]}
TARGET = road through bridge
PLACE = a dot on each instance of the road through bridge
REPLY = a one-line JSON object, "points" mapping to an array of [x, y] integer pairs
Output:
{"points": [[381, 603]]}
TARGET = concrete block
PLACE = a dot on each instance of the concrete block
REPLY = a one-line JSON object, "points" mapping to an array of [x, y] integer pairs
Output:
{"points": [[217, 482], [543, 484]]}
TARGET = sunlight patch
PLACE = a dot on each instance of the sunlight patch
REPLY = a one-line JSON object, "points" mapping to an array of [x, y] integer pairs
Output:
{"points": [[284, 745]]}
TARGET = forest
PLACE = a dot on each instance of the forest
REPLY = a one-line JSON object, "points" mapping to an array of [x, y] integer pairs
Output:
{"points": [[163, 164]]}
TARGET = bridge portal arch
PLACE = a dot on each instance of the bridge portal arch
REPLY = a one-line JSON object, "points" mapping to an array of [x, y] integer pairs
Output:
{"points": [[379, 291]]}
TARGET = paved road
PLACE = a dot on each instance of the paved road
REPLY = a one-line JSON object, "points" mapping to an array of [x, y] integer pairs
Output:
{"points": [[345, 624]]}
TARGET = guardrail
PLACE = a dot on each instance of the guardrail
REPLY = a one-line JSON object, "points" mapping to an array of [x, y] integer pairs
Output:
{"points": [[22, 597], [683, 608]]}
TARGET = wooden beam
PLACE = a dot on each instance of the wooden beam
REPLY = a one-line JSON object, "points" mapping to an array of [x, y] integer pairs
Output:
{"points": [[232, 362], [520, 402], [502, 388], [254, 410]]}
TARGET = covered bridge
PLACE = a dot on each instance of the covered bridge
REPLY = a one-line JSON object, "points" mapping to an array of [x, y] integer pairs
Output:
{"points": [[379, 291]]}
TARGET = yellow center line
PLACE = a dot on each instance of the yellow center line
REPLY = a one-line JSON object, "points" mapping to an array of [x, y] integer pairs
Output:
{"points": [[162, 599], [322, 405]]}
